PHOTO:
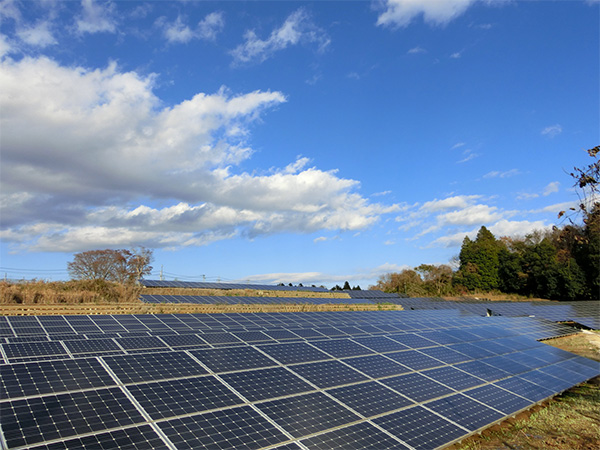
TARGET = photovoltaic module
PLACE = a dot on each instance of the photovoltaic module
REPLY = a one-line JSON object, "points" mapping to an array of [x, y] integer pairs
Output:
{"points": [[419, 379]]}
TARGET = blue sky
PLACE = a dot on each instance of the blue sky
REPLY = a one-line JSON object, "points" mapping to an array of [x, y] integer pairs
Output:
{"points": [[311, 142]]}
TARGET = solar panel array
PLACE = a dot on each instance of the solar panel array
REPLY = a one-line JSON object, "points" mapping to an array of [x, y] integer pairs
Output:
{"points": [[247, 300], [364, 380], [227, 286]]}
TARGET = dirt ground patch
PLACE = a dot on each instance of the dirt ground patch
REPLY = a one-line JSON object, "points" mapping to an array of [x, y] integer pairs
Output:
{"points": [[570, 421]]}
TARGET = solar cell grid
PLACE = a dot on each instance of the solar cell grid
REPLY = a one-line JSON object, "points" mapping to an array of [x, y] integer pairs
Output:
{"points": [[507, 364], [355, 437], [454, 378], [370, 399], [524, 388], [481, 370], [26, 422], [377, 366], [328, 373], [498, 398], [293, 353], [92, 346], [415, 359], [445, 354], [412, 340], [35, 378], [264, 384], [33, 349], [184, 340], [232, 358], [380, 344], [172, 398], [464, 411], [308, 413], [235, 428], [153, 366], [421, 429], [341, 348], [220, 338], [140, 343], [135, 438], [417, 387]]}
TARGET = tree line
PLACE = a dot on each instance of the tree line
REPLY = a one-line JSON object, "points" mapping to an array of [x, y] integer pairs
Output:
{"points": [[559, 264]]}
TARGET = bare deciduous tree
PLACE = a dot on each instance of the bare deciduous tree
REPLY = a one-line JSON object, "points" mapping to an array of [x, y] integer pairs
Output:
{"points": [[121, 266]]}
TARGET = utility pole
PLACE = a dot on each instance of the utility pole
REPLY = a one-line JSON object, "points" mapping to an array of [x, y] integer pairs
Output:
{"points": [[161, 273]]}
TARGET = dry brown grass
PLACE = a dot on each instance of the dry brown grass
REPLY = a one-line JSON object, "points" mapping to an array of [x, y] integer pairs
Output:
{"points": [[67, 292]]}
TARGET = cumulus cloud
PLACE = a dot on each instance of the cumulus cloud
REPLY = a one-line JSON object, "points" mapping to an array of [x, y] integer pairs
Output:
{"points": [[400, 13], [38, 35], [501, 228], [179, 32], [96, 18], [81, 148], [297, 29]]}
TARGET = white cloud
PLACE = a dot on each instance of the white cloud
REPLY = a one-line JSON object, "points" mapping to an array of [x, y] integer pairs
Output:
{"points": [[468, 155], [458, 145], [400, 13], [499, 229], [211, 25], [456, 202], [81, 147], [416, 50], [96, 18], [551, 188], [505, 174], [38, 35], [297, 29], [456, 55], [179, 32], [552, 131]]}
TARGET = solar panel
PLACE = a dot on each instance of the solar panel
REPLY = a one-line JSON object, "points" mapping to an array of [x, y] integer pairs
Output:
{"points": [[264, 384], [235, 428], [464, 411], [341, 348], [370, 399], [376, 366], [420, 428], [360, 436], [417, 387], [328, 373], [308, 413], [153, 366], [29, 421], [380, 344], [292, 353], [35, 378], [170, 398], [498, 398], [134, 438], [232, 359], [300, 380], [415, 360]]}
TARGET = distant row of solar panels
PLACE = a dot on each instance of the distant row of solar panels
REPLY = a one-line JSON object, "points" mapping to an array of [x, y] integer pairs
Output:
{"points": [[586, 313], [227, 286], [244, 300]]}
